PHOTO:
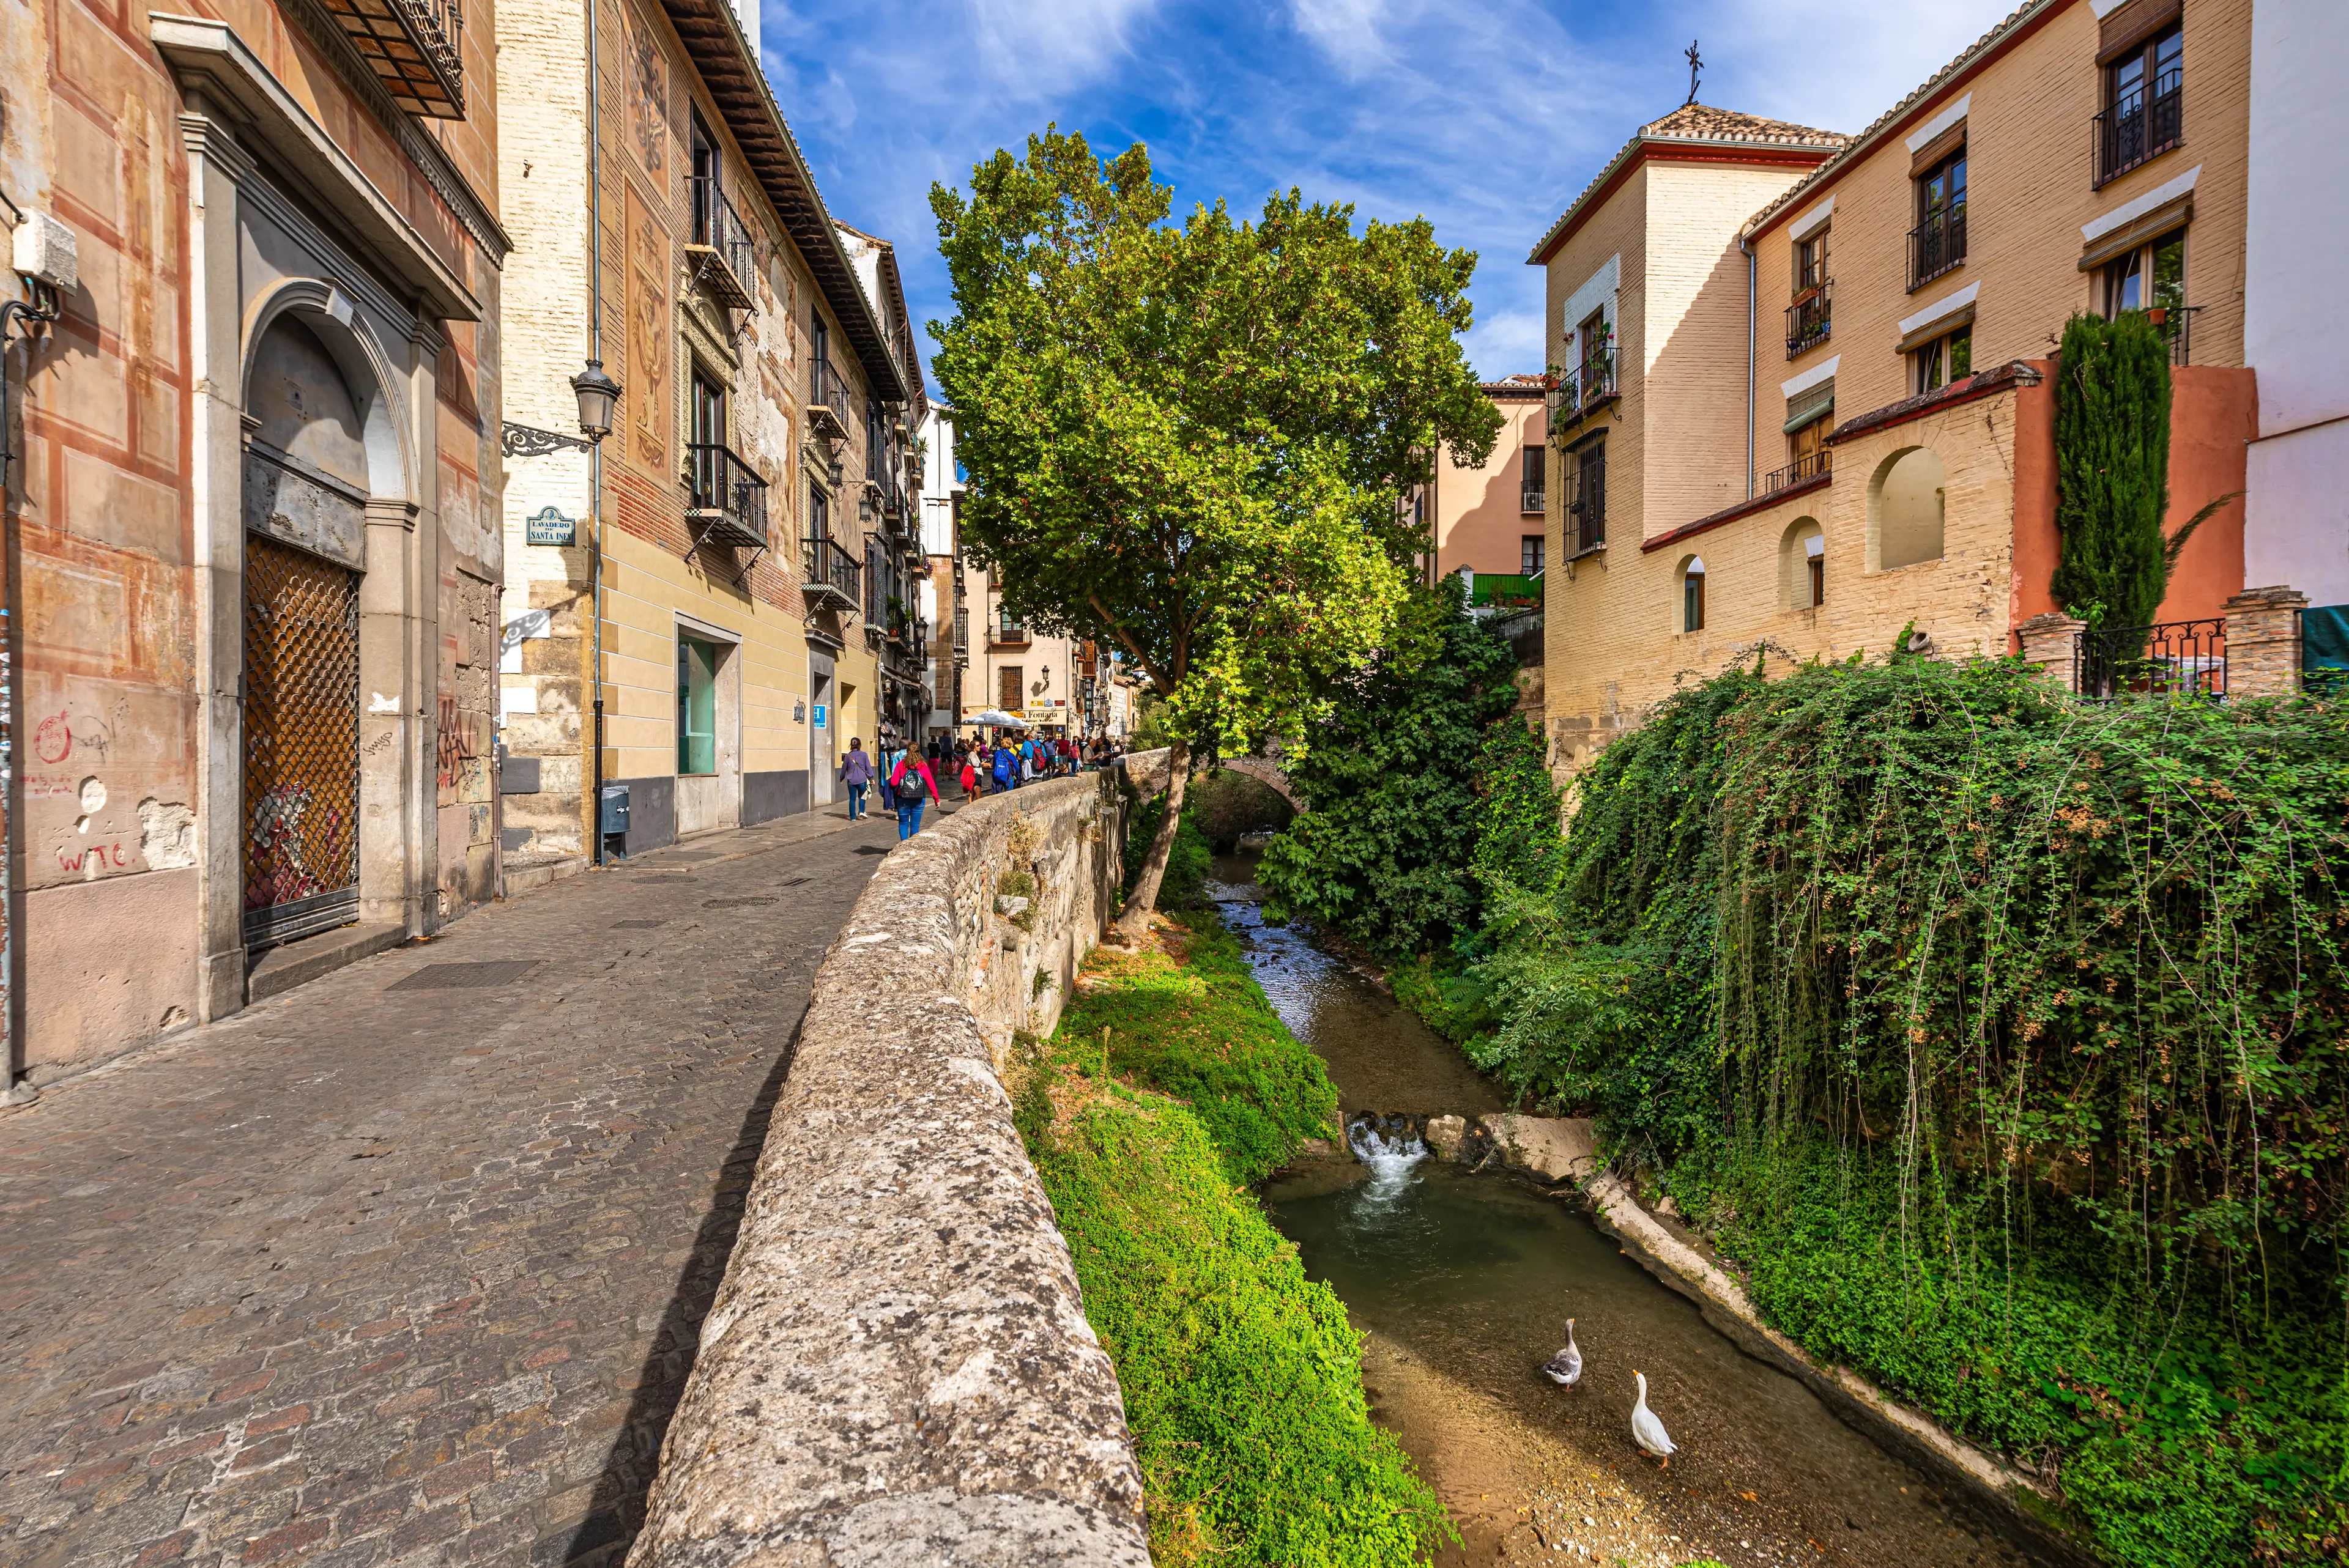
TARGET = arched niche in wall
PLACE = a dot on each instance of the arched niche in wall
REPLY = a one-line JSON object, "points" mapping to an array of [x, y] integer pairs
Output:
{"points": [[1801, 564], [1687, 594], [1906, 510]]}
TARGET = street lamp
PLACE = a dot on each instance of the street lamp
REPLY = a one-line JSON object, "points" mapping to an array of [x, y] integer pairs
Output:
{"points": [[598, 394]]}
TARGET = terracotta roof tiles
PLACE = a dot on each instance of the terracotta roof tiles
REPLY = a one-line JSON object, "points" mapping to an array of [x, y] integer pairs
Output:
{"points": [[1697, 124]]}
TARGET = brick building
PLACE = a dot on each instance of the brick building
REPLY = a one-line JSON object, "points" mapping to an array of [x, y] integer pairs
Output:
{"points": [[252, 503], [1886, 460], [755, 540]]}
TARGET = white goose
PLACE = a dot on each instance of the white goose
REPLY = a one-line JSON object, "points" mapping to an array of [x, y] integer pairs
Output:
{"points": [[1646, 1430], [1565, 1369]]}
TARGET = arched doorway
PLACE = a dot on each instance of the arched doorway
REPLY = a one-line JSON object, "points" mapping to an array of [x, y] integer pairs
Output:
{"points": [[306, 492]]}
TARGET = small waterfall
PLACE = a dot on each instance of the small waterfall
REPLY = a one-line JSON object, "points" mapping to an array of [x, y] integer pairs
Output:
{"points": [[1391, 1147]]}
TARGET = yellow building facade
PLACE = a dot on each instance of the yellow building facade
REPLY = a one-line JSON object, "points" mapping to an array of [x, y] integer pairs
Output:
{"points": [[1824, 419]]}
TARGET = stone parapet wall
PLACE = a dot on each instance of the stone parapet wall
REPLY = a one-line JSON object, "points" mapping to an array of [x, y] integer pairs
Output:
{"points": [[897, 1368]]}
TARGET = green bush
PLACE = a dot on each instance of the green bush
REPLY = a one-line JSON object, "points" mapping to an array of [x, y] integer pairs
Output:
{"points": [[1390, 784]]}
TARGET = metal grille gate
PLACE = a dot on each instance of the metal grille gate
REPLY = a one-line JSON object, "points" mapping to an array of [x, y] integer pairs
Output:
{"points": [[301, 743]]}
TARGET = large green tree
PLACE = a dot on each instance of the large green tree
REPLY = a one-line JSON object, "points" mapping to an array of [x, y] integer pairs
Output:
{"points": [[1192, 442]]}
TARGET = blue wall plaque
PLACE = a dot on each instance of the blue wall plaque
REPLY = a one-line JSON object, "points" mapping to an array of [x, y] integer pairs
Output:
{"points": [[549, 526]]}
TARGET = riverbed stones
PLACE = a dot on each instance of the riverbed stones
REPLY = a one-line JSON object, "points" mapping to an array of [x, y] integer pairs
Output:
{"points": [[1444, 1135]]}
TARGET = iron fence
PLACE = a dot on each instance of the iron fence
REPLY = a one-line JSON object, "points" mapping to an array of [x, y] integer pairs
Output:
{"points": [[2176, 658]]}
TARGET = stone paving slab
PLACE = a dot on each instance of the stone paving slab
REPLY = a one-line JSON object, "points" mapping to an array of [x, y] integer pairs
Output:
{"points": [[408, 1276]]}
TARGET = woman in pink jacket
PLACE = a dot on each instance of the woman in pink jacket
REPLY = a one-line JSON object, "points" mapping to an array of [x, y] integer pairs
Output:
{"points": [[915, 787]]}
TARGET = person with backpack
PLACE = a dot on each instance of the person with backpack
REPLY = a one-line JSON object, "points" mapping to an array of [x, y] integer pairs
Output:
{"points": [[915, 787], [856, 772], [1006, 769]]}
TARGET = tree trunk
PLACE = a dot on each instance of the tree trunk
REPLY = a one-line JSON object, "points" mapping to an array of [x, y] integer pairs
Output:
{"points": [[1135, 923]]}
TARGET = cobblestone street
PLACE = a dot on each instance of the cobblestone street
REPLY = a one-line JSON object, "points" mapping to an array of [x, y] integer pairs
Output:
{"points": [[405, 1265]]}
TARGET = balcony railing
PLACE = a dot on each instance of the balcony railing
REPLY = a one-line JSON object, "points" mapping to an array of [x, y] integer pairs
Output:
{"points": [[1534, 498], [1809, 465], [1937, 245], [2180, 658], [731, 259], [1576, 391], [2132, 130], [2176, 322], [730, 499], [829, 575], [827, 398], [1011, 636], [1809, 320], [415, 48]]}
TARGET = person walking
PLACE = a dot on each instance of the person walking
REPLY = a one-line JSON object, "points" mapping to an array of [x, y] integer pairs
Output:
{"points": [[915, 787], [856, 772], [887, 770], [966, 773], [1006, 769]]}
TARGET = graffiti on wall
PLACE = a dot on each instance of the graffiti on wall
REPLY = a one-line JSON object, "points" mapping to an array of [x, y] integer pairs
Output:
{"points": [[453, 743]]}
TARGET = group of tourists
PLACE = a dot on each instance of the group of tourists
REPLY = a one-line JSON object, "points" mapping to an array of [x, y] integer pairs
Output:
{"points": [[988, 764]]}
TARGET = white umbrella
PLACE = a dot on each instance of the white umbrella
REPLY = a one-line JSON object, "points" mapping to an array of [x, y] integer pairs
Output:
{"points": [[996, 716]]}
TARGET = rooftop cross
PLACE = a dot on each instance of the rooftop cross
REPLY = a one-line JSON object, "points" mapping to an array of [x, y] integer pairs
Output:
{"points": [[1695, 65]]}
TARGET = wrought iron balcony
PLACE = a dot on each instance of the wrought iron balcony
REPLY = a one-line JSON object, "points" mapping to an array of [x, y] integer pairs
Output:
{"points": [[729, 499], [827, 400], [1809, 320], [1937, 245], [1534, 498], [1008, 637], [724, 257], [415, 46], [1575, 393], [829, 575], [2134, 129], [1809, 465]]}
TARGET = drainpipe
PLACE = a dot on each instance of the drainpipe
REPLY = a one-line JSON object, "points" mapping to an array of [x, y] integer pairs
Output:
{"points": [[595, 452], [1751, 324]]}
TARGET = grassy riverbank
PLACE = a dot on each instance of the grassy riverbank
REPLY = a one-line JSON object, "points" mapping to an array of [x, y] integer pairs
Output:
{"points": [[1242, 1378]]}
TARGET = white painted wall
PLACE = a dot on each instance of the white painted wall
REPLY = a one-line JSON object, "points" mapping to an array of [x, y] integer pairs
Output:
{"points": [[2295, 335]]}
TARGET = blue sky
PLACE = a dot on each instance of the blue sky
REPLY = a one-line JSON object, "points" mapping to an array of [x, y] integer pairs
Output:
{"points": [[1487, 118]]}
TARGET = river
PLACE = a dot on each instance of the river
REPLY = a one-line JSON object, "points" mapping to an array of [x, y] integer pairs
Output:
{"points": [[1461, 1285]]}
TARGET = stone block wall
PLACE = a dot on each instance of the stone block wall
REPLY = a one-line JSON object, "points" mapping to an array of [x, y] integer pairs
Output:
{"points": [[897, 1368]]}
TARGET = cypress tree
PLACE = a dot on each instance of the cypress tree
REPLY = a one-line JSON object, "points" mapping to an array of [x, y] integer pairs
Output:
{"points": [[2112, 469]]}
